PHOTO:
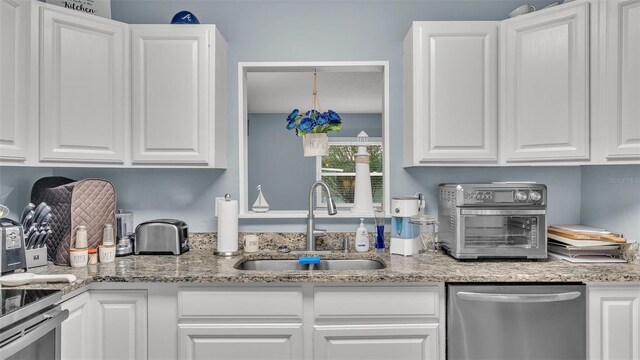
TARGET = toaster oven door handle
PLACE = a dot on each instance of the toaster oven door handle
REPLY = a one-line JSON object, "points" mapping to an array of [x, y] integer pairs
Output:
{"points": [[502, 212], [518, 298]]}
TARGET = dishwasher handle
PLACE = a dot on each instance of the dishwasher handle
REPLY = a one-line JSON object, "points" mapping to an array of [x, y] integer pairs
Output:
{"points": [[49, 321], [518, 298]]}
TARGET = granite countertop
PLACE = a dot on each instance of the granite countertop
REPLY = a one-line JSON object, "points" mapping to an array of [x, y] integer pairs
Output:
{"points": [[201, 266]]}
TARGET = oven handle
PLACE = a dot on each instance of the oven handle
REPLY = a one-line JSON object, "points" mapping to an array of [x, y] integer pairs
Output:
{"points": [[518, 298], [502, 212], [52, 320]]}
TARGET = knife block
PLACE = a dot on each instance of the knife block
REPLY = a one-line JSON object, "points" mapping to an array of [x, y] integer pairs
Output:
{"points": [[36, 257]]}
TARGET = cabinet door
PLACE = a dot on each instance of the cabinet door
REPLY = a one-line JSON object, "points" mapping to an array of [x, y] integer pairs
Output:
{"points": [[544, 86], [623, 79], [75, 341], [83, 86], [240, 342], [170, 94], [120, 324], [400, 342], [456, 100], [614, 322], [14, 42]]}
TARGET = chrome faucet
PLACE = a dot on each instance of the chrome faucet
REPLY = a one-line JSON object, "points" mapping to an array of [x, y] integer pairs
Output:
{"points": [[312, 232]]}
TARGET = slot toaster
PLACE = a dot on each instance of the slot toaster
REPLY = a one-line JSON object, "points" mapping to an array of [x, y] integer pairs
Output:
{"points": [[162, 236]]}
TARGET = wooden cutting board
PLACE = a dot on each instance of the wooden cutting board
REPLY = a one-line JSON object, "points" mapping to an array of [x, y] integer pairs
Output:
{"points": [[612, 237]]}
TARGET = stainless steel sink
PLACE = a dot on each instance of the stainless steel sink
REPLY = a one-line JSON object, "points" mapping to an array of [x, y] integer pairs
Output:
{"points": [[293, 264]]}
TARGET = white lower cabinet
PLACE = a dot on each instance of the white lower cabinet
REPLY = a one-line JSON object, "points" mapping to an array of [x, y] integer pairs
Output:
{"points": [[390, 322], [105, 324], [119, 320], [614, 322], [415, 342], [311, 322], [240, 322], [75, 343], [240, 341]]}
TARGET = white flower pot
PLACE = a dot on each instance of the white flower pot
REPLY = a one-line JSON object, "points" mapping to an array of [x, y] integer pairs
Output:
{"points": [[315, 144]]}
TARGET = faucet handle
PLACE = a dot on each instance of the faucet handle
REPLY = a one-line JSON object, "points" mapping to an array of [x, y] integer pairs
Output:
{"points": [[319, 232]]}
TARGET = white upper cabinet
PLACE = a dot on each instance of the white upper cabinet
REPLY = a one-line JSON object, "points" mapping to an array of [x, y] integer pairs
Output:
{"points": [[66, 97], [178, 95], [84, 83], [14, 47], [622, 68], [450, 93], [544, 85]]}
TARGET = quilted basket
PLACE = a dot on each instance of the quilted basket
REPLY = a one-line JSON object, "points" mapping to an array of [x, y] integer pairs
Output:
{"points": [[89, 202]]}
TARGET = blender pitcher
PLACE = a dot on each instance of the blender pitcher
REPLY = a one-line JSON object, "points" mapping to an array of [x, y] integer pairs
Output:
{"points": [[427, 228]]}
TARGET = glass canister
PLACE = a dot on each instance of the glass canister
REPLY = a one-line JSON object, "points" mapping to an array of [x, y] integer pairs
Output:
{"points": [[427, 228]]}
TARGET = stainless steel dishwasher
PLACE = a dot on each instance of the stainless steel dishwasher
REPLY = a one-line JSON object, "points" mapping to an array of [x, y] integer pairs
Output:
{"points": [[535, 322]]}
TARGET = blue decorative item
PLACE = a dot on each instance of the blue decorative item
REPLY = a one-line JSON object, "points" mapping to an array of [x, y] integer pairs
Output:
{"points": [[184, 17], [308, 260], [314, 121]]}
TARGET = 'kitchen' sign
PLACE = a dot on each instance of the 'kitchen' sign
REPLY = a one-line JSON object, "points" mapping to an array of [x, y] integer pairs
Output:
{"points": [[94, 7]]}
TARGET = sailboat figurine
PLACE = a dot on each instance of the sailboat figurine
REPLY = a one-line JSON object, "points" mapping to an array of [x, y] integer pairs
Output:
{"points": [[261, 204]]}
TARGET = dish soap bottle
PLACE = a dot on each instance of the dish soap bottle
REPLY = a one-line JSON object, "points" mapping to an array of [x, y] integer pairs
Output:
{"points": [[362, 237]]}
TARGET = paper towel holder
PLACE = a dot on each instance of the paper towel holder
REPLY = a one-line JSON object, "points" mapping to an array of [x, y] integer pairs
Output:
{"points": [[227, 197], [227, 253]]}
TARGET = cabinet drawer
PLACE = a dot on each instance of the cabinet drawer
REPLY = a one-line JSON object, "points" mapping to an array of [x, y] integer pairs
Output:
{"points": [[377, 342], [240, 341], [240, 303], [360, 302]]}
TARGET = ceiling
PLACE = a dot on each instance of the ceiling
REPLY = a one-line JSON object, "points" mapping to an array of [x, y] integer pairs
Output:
{"points": [[343, 92]]}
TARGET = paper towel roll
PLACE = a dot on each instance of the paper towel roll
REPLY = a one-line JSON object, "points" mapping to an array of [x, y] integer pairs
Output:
{"points": [[228, 226]]}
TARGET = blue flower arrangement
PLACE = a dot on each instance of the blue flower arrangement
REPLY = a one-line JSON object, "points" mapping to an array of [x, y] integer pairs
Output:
{"points": [[313, 122]]}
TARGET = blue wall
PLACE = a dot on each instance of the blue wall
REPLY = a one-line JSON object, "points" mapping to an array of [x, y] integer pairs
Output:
{"points": [[277, 163], [15, 186], [309, 30], [611, 198]]}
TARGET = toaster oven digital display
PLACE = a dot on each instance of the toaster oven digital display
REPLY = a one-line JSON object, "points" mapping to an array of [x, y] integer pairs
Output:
{"points": [[503, 196]]}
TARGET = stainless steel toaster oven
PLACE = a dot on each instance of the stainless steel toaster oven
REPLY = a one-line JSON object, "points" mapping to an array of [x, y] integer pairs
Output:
{"points": [[493, 220]]}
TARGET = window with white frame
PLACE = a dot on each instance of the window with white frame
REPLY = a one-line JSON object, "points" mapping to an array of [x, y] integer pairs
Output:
{"points": [[338, 170]]}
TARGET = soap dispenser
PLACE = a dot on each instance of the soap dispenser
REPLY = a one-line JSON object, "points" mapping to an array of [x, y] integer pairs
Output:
{"points": [[362, 237]]}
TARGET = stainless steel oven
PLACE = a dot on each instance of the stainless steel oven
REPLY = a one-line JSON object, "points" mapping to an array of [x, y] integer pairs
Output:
{"points": [[30, 324], [497, 220]]}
